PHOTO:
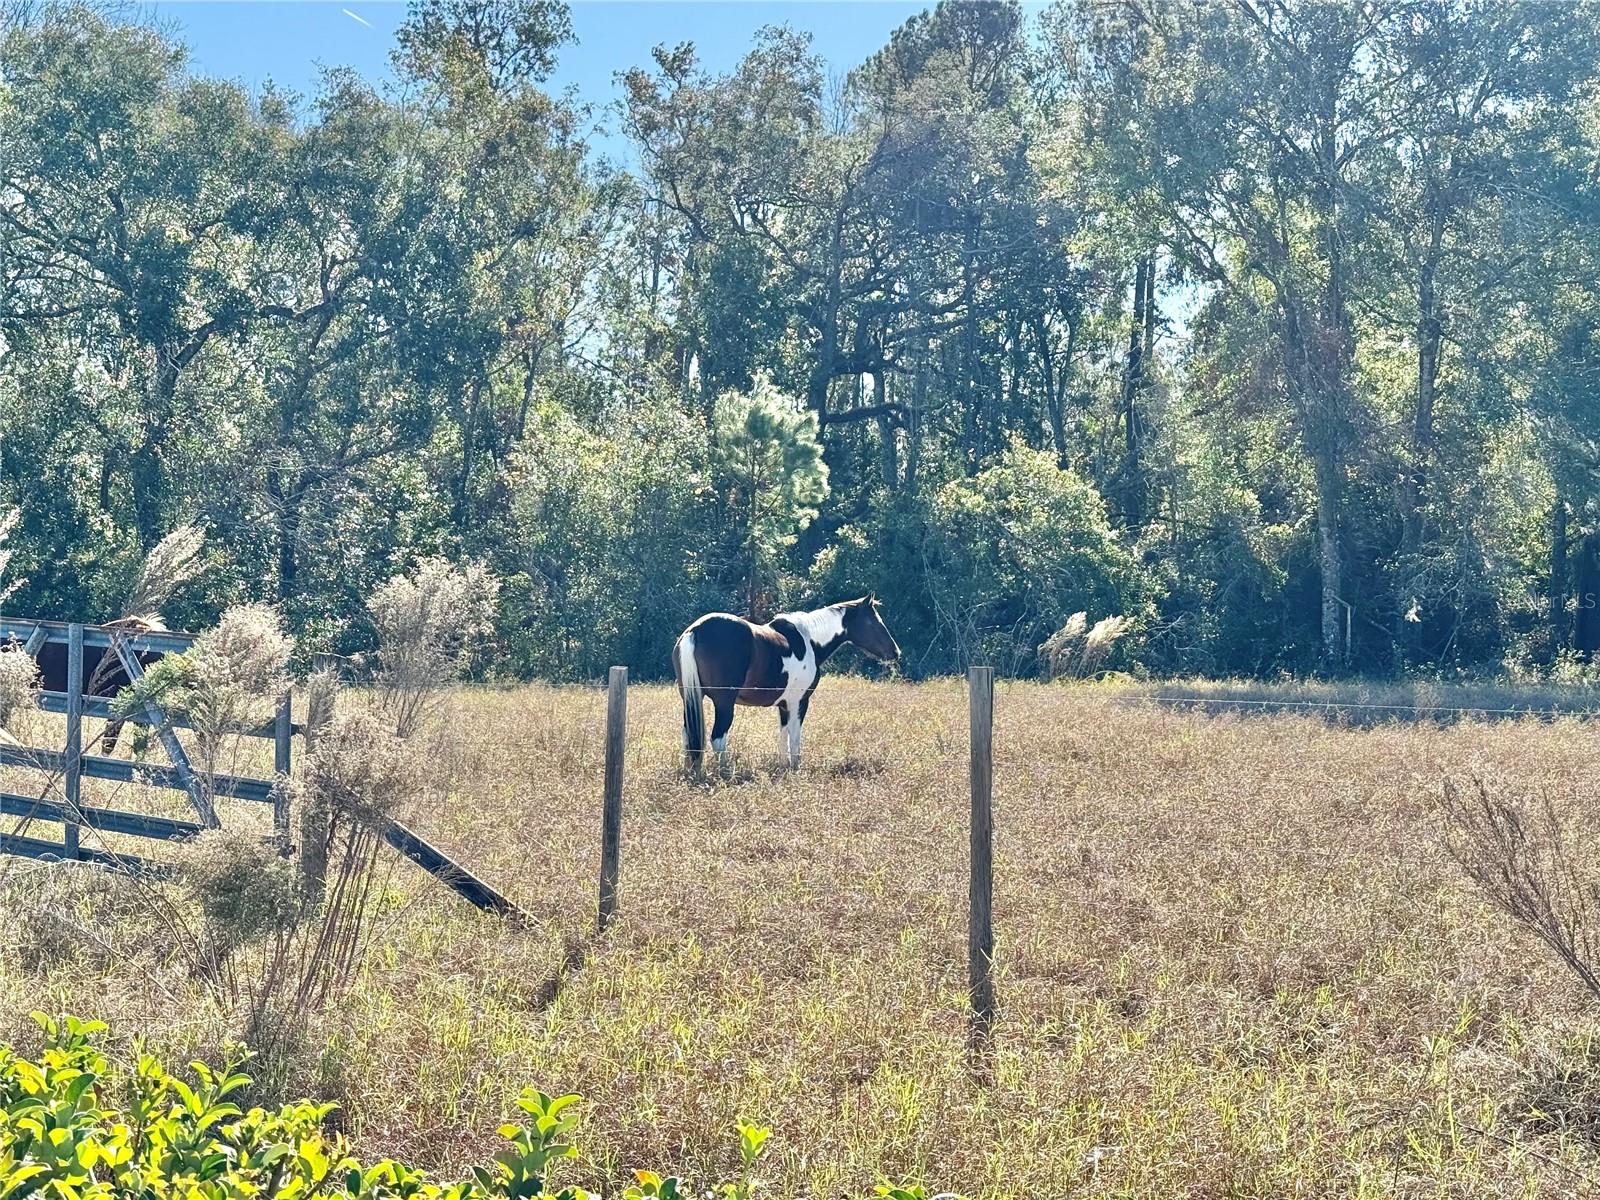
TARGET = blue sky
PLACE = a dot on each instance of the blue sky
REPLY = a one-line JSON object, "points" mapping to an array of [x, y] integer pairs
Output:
{"points": [[290, 41]]}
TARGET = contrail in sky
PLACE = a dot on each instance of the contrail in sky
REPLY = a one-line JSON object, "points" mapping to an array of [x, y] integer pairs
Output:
{"points": [[354, 17]]}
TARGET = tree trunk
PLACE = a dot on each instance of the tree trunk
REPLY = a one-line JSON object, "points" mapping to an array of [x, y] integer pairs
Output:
{"points": [[1052, 399], [1429, 339], [919, 400], [147, 474], [1016, 357], [289, 545], [971, 431], [1132, 381], [1327, 351], [1430, 336], [469, 446], [147, 465], [888, 447], [828, 335], [1558, 576], [1149, 316], [1330, 561], [1315, 377], [529, 379], [1586, 636]]}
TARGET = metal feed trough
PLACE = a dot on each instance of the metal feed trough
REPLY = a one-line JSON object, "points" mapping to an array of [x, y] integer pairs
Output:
{"points": [[72, 766]]}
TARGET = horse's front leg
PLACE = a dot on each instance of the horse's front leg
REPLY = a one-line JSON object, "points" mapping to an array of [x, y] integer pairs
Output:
{"points": [[795, 725], [722, 706], [794, 741], [788, 734]]}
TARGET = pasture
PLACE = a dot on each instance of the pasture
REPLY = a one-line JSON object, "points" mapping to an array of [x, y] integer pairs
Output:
{"points": [[1233, 956]]}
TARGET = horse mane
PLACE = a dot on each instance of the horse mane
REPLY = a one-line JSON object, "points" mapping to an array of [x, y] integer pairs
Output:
{"points": [[139, 624]]}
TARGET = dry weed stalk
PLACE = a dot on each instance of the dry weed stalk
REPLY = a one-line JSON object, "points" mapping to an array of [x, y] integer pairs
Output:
{"points": [[1519, 855], [172, 563], [228, 682], [353, 780], [240, 669], [1078, 650], [19, 683], [321, 698], [245, 892], [272, 948], [428, 624]]}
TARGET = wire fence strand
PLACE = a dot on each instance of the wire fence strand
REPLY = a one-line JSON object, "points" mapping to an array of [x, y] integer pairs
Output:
{"points": [[1330, 706]]}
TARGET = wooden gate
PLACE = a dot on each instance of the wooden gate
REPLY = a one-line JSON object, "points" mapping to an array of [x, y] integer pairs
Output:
{"points": [[71, 765]]}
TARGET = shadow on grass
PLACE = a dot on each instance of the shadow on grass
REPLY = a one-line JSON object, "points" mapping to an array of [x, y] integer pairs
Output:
{"points": [[1365, 704], [549, 990], [1562, 1091], [738, 770]]}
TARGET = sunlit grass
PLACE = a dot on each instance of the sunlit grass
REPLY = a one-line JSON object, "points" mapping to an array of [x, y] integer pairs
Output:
{"points": [[1233, 957]]}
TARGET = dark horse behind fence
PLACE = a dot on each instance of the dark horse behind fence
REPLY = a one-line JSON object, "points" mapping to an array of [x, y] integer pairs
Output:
{"points": [[735, 661], [103, 672]]}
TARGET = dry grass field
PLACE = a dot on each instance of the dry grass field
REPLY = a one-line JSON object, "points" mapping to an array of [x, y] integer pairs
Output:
{"points": [[1233, 956]]}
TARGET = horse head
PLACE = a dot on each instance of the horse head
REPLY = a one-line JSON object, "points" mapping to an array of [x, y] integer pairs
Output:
{"points": [[863, 625]]}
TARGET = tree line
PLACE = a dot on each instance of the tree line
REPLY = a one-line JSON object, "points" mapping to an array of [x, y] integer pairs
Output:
{"points": [[1271, 329]]}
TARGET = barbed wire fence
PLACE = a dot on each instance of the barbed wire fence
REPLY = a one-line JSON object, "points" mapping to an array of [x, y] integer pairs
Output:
{"points": [[624, 755], [980, 760], [604, 746]]}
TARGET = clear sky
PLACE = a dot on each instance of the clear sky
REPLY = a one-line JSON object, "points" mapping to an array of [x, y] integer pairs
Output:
{"points": [[290, 41]]}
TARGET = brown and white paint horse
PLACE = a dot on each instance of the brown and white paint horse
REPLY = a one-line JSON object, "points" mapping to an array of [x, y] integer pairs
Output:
{"points": [[735, 661]]}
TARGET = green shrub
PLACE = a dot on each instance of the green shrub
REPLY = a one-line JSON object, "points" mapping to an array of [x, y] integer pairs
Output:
{"points": [[613, 544], [768, 461], [984, 569], [61, 1139]]}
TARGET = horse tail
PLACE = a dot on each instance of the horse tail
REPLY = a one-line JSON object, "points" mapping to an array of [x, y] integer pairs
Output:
{"points": [[694, 717]]}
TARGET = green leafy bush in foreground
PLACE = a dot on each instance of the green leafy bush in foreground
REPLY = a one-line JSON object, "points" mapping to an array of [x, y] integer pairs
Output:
{"points": [[60, 1139]]}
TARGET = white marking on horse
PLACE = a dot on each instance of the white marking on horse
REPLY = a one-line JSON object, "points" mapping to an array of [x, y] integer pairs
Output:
{"points": [[793, 730], [821, 626]]}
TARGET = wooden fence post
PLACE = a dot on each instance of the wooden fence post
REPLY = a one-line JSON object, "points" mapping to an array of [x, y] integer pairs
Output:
{"points": [[611, 818], [73, 781], [282, 732], [980, 919]]}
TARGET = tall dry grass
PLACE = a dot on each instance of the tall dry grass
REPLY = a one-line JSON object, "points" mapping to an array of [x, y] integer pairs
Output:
{"points": [[1079, 650], [429, 623], [1235, 955], [171, 565], [19, 684]]}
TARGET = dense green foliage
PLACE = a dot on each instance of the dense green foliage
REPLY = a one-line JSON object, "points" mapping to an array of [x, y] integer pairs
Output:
{"points": [[61, 1138], [1271, 327]]}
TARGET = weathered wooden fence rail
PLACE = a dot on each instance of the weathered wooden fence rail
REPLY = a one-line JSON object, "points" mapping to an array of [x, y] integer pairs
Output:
{"points": [[26, 630], [122, 770]]}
